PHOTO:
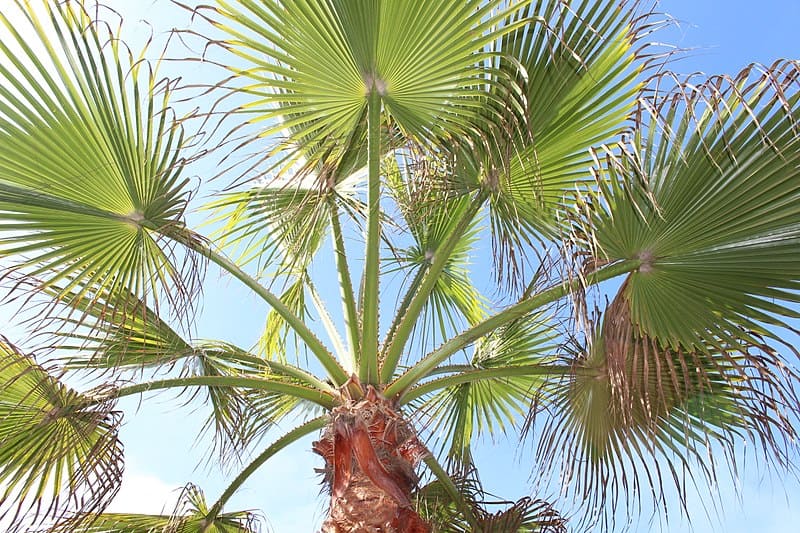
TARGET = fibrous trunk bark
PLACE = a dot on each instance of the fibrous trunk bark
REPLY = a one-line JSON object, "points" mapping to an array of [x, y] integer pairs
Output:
{"points": [[371, 452]]}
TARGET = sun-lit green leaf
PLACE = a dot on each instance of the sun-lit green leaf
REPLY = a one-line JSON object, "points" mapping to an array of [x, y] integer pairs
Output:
{"points": [[279, 226], [58, 448], [275, 343], [282, 228], [90, 173], [457, 415], [577, 71], [132, 337], [312, 63], [114, 333]]}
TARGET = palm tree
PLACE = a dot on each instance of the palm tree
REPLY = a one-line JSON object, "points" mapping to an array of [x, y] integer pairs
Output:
{"points": [[388, 140]]}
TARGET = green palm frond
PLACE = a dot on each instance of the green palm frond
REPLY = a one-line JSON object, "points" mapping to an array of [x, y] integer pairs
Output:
{"points": [[189, 517], [273, 343], [577, 73], [430, 212], [90, 185], [711, 205], [313, 63], [114, 333], [240, 416], [141, 340], [457, 415], [58, 448], [133, 337], [279, 226], [635, 416]]}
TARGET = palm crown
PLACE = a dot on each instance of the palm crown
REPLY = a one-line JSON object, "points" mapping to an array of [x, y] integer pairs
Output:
{"points": [[428, 128]]}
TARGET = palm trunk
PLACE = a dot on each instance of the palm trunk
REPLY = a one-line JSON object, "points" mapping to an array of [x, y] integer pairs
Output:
{"points": [[371, 452]]}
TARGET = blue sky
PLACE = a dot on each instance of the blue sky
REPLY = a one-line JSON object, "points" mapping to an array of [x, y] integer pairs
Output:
{"points": [[162, 451]]}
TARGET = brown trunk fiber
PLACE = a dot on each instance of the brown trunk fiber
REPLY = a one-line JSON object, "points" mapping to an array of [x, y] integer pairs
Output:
{"points": [[370, 454]]}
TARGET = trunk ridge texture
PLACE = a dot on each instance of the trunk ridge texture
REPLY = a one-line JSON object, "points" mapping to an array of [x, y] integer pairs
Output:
{"points": [[371, 452]]}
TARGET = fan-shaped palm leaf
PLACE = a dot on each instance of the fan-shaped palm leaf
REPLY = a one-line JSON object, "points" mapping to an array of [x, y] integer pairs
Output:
{"points": [[577, 73], [89, 174], [138, 340], [278, 225], [316, 61], [58, 448], [114, 333], [634, 415], [711, 207]]}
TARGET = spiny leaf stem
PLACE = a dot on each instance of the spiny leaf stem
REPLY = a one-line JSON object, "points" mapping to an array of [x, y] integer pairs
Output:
{"points": [[323, 355], [298, 391], [422, 369], [441, 256], [351, 323], [478, 374], [368, 365]]}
